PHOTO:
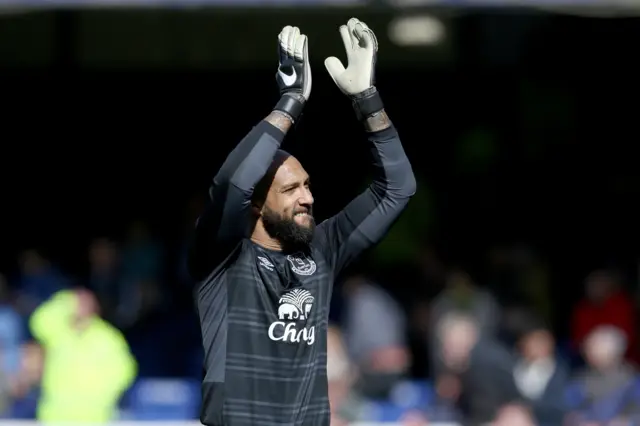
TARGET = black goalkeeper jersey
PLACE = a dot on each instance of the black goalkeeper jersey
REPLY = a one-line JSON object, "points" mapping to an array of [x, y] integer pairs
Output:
{"points": [[264, 313]]}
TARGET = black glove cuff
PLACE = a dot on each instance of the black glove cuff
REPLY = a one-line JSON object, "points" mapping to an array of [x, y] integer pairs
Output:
{"points": [[290, 106], [367, 103]]}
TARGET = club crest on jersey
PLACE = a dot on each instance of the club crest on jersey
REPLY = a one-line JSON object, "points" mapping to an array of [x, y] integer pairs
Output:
{"points": [[301, 264], [295, 305]]}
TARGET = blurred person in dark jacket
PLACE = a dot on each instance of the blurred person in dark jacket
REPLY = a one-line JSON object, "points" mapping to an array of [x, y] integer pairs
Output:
{"points": [[539, 375], [375, 336], [519, 277], [473, 372], [606, 390], [141, 263], [105, 278], [462, 295]]}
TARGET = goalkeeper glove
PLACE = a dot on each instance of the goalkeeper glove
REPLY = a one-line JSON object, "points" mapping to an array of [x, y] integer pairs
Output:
{"points": [[358, 79], [294, 71]]}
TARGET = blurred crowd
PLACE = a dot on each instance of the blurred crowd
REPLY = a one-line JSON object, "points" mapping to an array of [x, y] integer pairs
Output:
{"points": [[490, 351], [429, 341]]}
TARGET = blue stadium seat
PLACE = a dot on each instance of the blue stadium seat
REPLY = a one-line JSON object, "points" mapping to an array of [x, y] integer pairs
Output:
{"points": [[382, 412], [164, 399], [405, 396], [636, 391], [413, 395]]}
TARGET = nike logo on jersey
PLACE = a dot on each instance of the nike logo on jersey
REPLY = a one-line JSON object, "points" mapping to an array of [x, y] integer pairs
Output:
{"points": [[288, 80]]}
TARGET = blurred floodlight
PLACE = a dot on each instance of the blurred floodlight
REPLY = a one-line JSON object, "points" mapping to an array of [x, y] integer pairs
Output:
{"points": [[455, 3], [407, 3], [422, 30]]}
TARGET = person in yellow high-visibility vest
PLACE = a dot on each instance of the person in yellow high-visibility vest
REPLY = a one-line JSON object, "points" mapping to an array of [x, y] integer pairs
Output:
{"points": [[88, 364]]}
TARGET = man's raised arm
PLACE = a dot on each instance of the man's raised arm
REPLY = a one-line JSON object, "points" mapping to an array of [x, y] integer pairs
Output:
{"points": [[367, 218], [227, 217]]}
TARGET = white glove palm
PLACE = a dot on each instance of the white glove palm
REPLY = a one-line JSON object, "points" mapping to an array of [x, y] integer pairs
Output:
{"points": [[361, 46]]}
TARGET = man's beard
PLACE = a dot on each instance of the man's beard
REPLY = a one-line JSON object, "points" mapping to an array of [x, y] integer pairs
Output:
{"points": [[285, 229]]}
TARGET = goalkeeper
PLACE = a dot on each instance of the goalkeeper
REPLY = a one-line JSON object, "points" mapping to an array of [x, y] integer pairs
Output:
{"points": [[265, 272]]}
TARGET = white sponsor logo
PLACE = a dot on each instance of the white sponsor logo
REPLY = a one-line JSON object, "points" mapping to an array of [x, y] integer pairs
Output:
{"points": [[301, 264], [265, 262], [288, 80], [295, 305]]}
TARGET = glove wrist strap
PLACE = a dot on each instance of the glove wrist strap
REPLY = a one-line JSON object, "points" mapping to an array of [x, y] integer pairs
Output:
{"points": [[367, 103], [291, 105]]}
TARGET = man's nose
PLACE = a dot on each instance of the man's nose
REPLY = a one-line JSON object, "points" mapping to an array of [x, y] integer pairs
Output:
{"points": [[306, 197]]}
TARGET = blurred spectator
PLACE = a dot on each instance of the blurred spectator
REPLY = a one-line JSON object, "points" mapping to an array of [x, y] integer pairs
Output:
{"points": [[375, 335], [37, 281], [432, 267], [346, 406], [461, 295], [414, 418], [519, 278], [474, 372], [11, 330], [606, 390], [540, 376], [6, 391], [87, 365], [605, 303], [26, 384], [142, 259], [105, 277], [515, 415], [141, 255]]}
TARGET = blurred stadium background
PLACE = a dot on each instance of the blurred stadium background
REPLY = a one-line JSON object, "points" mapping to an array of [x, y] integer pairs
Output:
{"points": [[117, 113]]}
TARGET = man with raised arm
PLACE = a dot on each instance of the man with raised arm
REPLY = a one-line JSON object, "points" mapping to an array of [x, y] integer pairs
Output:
{"points": [[265, 270]]}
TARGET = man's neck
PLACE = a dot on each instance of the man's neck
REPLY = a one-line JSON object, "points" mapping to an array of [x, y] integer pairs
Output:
{"points": [[263, 239]]}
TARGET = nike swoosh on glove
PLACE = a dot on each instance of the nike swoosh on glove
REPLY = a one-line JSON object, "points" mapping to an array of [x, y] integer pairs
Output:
{"points": [[361, 47], [294, 70]]}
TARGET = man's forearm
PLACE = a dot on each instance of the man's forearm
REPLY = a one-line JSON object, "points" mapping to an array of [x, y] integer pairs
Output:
{"points": [[378, 121], [286, 112], [393, 174], [225, 218], [280, 120], [253, 142], [234, 183], [367, 218]]}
